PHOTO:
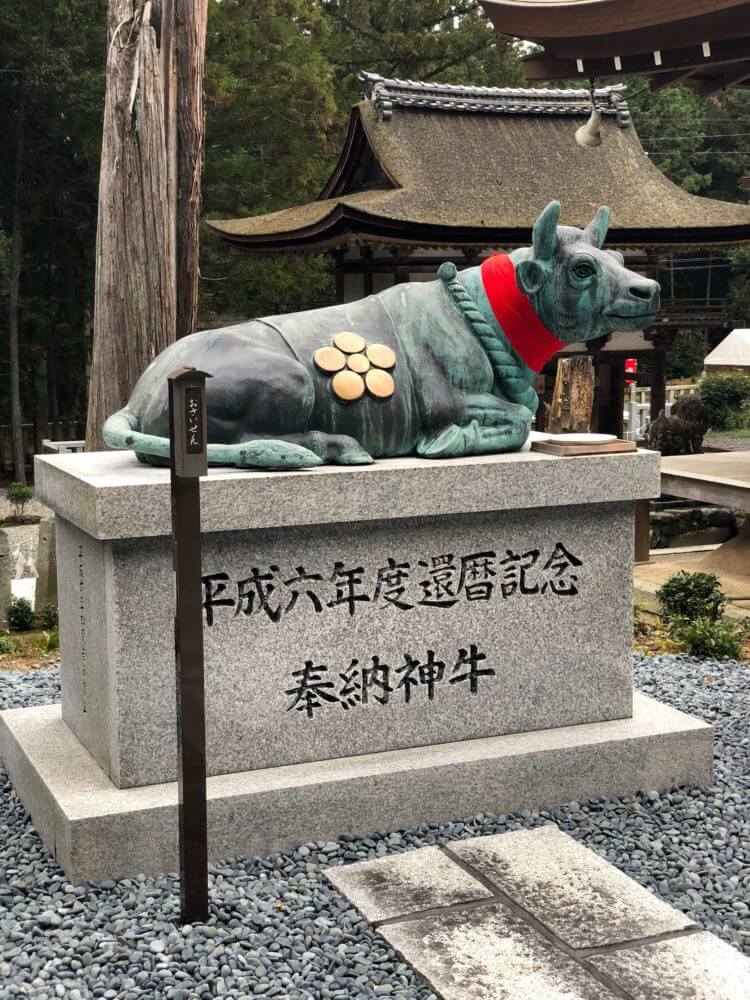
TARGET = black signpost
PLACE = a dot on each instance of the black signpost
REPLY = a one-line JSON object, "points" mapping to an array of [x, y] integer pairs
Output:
{"points": [[188, 461]]}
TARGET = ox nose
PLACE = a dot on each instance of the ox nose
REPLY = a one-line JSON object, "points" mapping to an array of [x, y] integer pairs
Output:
{"points": [[645, 290]]}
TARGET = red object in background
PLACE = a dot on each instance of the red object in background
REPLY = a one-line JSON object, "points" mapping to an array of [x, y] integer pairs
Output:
{"points": [[631, 368]]}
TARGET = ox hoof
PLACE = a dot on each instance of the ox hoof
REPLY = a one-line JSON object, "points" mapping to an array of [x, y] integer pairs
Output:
{"points": [[447, 444], [354, 456]]}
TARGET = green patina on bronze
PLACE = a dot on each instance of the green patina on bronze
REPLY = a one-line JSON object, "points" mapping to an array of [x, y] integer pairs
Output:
{"points": [[461, 387]]}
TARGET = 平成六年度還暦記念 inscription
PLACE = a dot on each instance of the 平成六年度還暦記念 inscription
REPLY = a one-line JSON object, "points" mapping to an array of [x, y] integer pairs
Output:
{"points": [[439, 581]]}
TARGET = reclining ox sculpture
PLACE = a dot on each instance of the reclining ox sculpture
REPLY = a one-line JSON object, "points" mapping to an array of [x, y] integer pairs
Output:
{"points": [[441, 369]]}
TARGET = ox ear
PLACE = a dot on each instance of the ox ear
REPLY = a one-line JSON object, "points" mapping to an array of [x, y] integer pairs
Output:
{"points": [[530, 276], [596, 231], [545, 232]]}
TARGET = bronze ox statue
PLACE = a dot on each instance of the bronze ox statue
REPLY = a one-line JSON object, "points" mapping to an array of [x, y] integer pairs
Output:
{"points": [[441, 369]]}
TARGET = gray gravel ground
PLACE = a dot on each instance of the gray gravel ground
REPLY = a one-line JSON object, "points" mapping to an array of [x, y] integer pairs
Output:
{"points": [[278, 930], [726, 442]]}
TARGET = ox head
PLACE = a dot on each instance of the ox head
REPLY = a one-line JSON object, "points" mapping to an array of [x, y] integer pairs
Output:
{"points": [[578, 290]]}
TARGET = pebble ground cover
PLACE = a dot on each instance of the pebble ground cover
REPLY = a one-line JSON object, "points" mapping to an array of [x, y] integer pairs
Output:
{"points": [[278, 929]]}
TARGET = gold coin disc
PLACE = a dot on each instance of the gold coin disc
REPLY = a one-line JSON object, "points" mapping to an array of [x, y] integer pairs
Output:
{"points": [[328, 359], [350, 343], [348, 386], [358, 363], [379, 383], [381, 356]]}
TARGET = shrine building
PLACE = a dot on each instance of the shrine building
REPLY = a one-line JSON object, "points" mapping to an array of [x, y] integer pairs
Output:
{"points": [[432, 172]]}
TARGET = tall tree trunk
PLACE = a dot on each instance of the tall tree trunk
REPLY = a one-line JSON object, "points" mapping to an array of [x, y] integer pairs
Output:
{"points": [[41, 408], [16, 254], [54, 406], [134, 296], [190, 56]]}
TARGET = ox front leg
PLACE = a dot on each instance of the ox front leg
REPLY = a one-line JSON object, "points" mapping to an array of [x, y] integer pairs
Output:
{"points": [[491, 425]]}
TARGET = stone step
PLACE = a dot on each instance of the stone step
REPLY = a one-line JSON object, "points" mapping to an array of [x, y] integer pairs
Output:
{"points": [[96, 830], [535, 915]]}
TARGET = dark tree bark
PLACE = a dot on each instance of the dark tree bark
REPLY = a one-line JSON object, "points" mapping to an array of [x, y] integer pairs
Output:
{"points": [[573, 396], [54, 408], [190, 56], [16, 257], [134, 296], [41, 401], [149, 196]]}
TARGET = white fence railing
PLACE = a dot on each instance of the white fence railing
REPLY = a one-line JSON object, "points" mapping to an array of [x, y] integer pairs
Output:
{"points": [[637, 413]]}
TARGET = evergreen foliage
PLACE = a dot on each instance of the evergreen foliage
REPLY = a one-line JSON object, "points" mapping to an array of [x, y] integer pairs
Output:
{"points": [[18, 494], [281, 77], [726, 396], [20, 615], [691, 595]]}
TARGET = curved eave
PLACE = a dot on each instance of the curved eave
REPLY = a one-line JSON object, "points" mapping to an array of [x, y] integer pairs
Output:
{"points": [[341, 180], [643, 20], [346, 225]]}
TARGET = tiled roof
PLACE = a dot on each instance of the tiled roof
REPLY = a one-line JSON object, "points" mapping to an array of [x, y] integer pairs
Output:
{"points": [[434, 164], [389, 94]]}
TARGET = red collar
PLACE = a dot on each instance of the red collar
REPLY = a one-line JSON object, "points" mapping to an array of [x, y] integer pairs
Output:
{"points": [[529, 337]]}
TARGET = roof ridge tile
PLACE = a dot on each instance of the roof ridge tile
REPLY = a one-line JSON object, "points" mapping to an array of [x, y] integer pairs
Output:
{"points": [[387, 94]]}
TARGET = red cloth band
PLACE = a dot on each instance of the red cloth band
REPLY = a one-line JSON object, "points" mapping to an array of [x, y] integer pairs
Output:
{"points": [[530, 338]]}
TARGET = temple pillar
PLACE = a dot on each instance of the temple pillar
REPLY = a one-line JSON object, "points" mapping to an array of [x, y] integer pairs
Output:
{"points": [[338, 273], [367, 278], [401, 272], [613, 424], [661, 342], [594, 348]]}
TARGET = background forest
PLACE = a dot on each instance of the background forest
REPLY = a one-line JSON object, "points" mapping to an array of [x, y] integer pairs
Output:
{"points": [[281, 76]]}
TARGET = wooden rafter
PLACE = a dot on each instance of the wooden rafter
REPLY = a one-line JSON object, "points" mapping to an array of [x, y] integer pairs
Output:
{"points": [[678, 63], [735, 76]]}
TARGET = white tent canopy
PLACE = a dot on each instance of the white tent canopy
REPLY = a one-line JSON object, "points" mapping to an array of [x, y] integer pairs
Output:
{"points": [[732, 352]]}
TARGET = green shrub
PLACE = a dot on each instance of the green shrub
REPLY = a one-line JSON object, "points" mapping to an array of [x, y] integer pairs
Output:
{"points": [[20, 615], [726, 397], [49, 618], [9, 644], [19, 495], [706, 637], [52, 641], [686, 355], [691, 596]]}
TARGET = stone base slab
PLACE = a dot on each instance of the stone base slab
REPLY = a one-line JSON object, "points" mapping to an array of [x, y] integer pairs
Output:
{"points": [[535, 915], [98, 831]]}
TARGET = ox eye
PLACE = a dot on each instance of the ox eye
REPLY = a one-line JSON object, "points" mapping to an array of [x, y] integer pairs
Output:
{"points": [[583, 270]]}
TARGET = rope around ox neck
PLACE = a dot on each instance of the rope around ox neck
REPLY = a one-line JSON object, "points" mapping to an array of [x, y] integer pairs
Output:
{"points": [[512, 380]]}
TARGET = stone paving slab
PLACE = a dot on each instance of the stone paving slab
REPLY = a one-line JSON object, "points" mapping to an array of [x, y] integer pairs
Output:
{"points": [[488, 953], [406, 883], [574, 892], [558, 923], [696, 967]]}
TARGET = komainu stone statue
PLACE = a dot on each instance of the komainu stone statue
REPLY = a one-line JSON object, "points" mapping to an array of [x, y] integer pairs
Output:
{"points": [[441, 369], [680, 433]]}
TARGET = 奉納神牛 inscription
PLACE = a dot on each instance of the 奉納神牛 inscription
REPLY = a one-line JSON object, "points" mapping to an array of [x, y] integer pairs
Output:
{"points": [[316, 686], [440, 581]]}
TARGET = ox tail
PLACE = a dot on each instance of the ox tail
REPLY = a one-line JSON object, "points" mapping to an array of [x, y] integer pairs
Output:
{"points": [[120, 432]]}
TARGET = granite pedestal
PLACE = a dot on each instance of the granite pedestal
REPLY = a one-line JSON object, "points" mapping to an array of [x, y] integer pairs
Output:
{"points": [[370, 618]]}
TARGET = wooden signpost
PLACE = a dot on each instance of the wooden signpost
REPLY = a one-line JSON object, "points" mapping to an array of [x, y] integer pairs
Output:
{"points": [[188, 461]]}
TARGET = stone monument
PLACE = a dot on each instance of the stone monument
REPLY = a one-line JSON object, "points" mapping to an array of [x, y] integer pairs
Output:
{"points": [[443, 632], [6, 578], [407, 642], [46, 564]]}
